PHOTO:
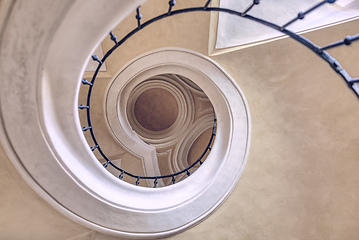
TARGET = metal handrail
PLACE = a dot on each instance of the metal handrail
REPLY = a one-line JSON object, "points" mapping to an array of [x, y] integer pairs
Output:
{"points": [[320, 51]]}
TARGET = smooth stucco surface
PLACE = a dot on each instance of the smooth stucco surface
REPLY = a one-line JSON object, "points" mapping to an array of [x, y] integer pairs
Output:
{"points": [[301, 177]]}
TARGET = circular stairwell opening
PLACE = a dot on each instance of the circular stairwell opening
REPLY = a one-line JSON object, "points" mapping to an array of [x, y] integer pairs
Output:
{"points": [[155, 109], [171, 113], [174, 125]]}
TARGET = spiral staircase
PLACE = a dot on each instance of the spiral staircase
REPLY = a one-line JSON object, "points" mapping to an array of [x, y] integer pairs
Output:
{"points": [[129, 122]]}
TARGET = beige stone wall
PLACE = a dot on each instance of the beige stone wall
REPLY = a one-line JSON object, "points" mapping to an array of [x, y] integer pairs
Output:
{"points": [[24, 214], [301, 177]]}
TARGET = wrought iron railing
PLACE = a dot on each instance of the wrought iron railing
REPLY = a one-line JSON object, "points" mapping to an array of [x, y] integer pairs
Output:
{"points": [[320, 51]]}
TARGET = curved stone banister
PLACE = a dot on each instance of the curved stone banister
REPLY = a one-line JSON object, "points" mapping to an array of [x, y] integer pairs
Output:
{"points": [[41, 78]]}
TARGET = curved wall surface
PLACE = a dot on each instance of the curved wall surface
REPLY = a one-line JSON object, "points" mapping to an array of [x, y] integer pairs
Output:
{"points": [[301, 178]]}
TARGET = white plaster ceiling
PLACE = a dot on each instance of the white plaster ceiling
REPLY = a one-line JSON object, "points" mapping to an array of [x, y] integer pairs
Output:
{"points": [[234, 31]]}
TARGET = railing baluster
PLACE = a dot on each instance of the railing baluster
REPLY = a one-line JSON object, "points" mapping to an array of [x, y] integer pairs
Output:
{"points": [[85, 82], [347, 41], [105, 164], [94, 147], [301, 15], [255, 2], [171, 3], [121, 175], [86, 128], [138, 181], [83, 106], [96, 59], [207, 4], [138, 17], [155, 183], [113, 38]]}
